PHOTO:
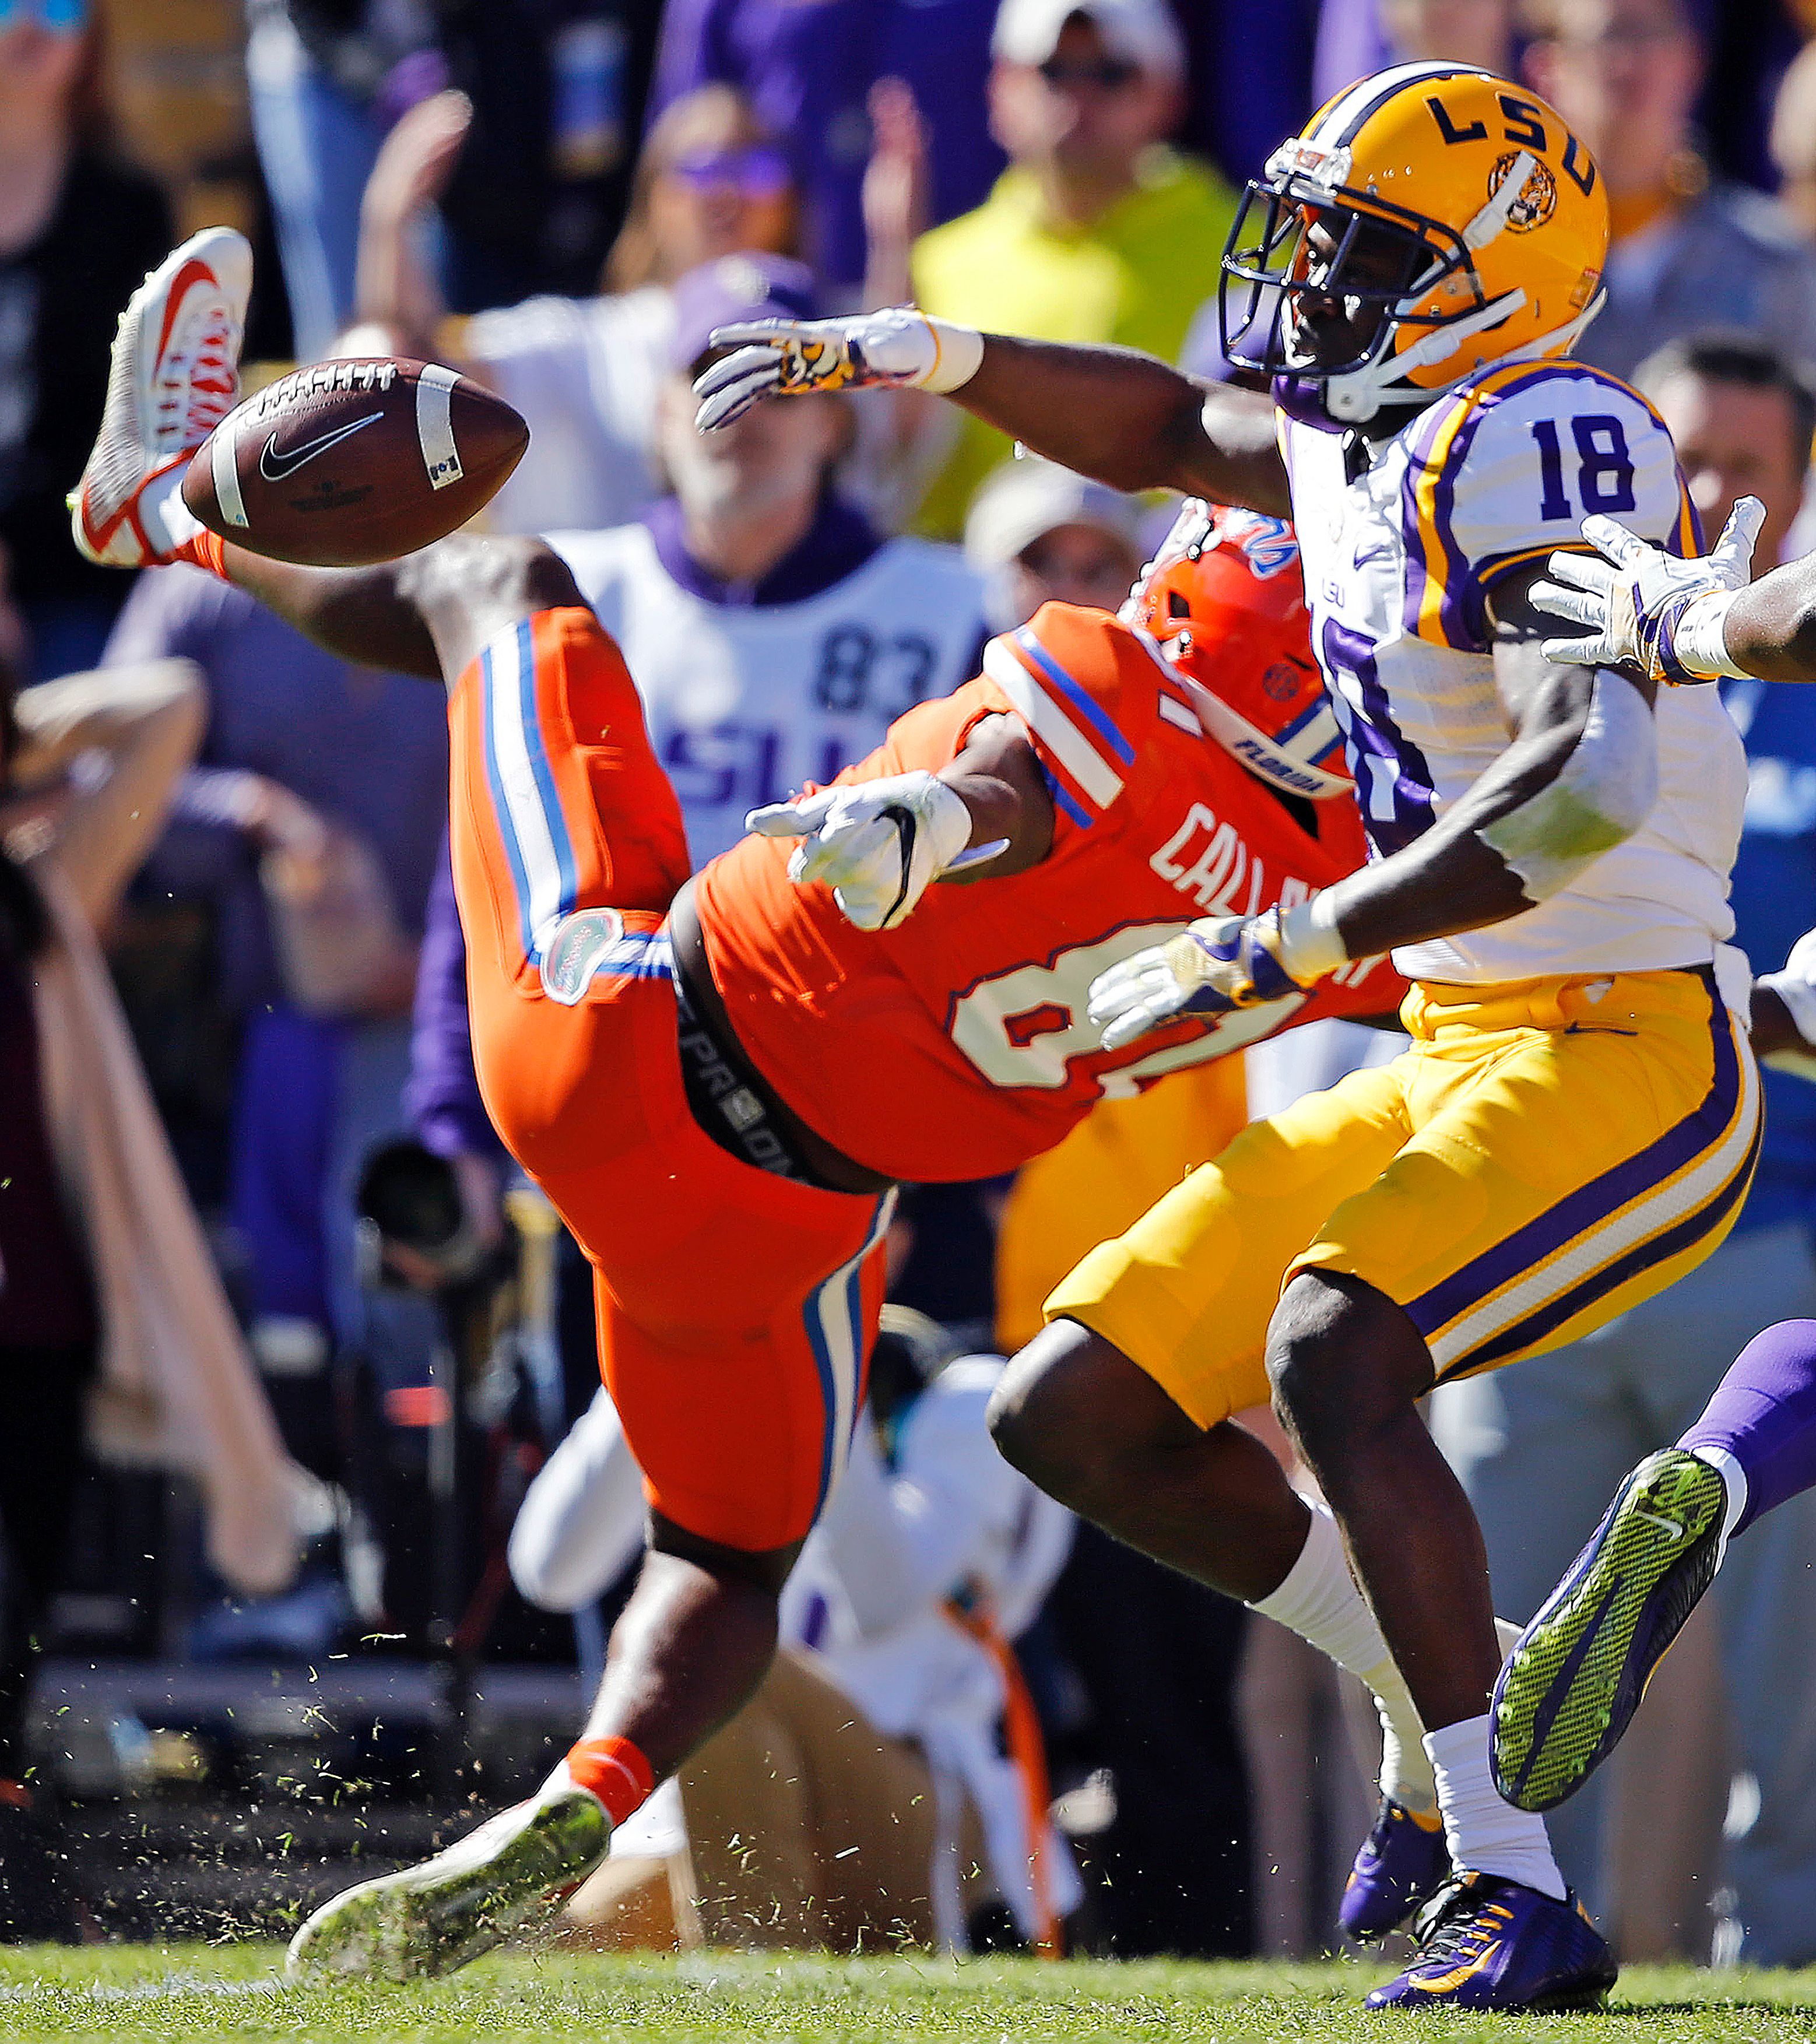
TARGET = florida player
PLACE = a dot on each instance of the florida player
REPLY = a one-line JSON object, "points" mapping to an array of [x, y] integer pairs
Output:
{"points": [[1575, 1124], [719, 1080]]}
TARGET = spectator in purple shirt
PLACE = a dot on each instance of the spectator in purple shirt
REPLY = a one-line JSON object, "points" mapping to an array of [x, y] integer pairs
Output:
{"points": [[808, 66], [309, 834]]}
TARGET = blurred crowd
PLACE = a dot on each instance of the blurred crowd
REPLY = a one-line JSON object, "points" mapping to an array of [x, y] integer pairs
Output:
{"points": [[256, 1233]]}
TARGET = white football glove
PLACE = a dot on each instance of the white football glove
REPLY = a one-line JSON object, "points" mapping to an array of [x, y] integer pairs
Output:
{"points": [[1643, 607], [1795, 984], [1212, 966], [899, 349], [879, 846]]}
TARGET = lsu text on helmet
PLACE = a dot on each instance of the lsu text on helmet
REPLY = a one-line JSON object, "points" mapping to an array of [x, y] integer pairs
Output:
{"points": [[1430, 219], [1223, 605]]}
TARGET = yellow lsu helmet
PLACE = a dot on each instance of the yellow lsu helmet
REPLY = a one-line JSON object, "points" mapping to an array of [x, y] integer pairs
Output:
{"points": [[1429, 220]]}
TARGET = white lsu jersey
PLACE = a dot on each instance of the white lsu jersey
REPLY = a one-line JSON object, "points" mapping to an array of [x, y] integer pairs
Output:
{"points": [[1399, 564], [747, 703]]}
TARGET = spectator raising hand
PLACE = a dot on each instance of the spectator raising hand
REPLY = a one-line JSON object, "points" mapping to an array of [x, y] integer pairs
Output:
{"points": [[809, 72], [396, 285], [894, 192], [584, 372]]}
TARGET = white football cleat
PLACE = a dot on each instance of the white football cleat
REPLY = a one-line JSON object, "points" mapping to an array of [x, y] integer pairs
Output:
{"points": [[514, 1870], [175, 377]]}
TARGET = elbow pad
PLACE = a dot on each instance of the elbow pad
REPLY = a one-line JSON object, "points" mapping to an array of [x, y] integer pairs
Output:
{"points": [[1605, 791]]}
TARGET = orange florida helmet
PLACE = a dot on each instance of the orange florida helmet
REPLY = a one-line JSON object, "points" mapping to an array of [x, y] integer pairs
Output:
{"points": [[1223, 604], [1430, 219]]}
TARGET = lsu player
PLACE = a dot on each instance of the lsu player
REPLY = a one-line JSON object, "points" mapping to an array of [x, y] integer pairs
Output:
{"points": [[1571, 1685], [1576, 1123], [718, 1080]]}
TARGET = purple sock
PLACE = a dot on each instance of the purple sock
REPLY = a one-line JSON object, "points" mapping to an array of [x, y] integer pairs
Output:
{"points": [[1763, 1415]]}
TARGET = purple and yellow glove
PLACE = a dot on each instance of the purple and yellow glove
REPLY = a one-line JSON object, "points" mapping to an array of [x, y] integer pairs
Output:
{"points": [[1212, 966], [1643, 608], [898, 348]]}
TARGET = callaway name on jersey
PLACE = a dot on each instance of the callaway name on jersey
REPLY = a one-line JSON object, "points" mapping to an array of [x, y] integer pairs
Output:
{"points": [[1401, 561], [965, 1048], [747, 703]]}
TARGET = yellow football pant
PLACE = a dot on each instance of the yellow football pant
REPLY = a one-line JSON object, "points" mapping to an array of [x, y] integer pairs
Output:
{"points": [[1544, 1156]]}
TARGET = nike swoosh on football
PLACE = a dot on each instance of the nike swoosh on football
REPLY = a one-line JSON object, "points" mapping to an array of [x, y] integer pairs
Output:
{"points": [[277, 467]]}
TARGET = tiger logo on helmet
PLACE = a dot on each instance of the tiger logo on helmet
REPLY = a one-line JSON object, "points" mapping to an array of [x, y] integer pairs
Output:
{"points": [[1430, 219], [1222, 605]]}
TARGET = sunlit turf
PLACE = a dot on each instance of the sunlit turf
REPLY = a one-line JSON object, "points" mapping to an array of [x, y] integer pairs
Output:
{"points": [[166, 1993]]}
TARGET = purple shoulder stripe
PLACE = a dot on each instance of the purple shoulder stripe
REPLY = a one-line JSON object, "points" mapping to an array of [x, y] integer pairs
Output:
{"points": [[1434, 461]]}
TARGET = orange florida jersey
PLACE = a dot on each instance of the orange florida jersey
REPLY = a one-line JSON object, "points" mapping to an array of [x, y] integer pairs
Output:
{"points": [[957, 1046]]}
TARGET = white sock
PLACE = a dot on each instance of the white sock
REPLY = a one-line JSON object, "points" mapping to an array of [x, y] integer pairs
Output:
{"points": [[1319, 1601], [1733, 1483], [168, 522], [1485, 1835]]}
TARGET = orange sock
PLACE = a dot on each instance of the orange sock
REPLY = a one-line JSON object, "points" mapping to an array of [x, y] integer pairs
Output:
{"points": [[206, 550], [616, 1771]]}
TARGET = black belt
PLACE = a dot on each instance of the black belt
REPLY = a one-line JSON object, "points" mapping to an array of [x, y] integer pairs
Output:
{"points": [[729, 1099]]}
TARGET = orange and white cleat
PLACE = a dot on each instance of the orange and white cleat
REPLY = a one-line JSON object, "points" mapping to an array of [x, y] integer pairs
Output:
{"points": [[175, 376]]}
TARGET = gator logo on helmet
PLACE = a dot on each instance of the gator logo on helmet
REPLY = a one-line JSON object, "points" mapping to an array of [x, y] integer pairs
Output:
{"points": [[1269, 545], [1537, 199]]}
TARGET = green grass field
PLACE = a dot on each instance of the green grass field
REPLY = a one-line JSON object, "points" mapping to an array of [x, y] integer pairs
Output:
{"points": [[165, 1994]]}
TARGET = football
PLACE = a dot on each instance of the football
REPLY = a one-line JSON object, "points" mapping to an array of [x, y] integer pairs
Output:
{"points": [[344, 463]]}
